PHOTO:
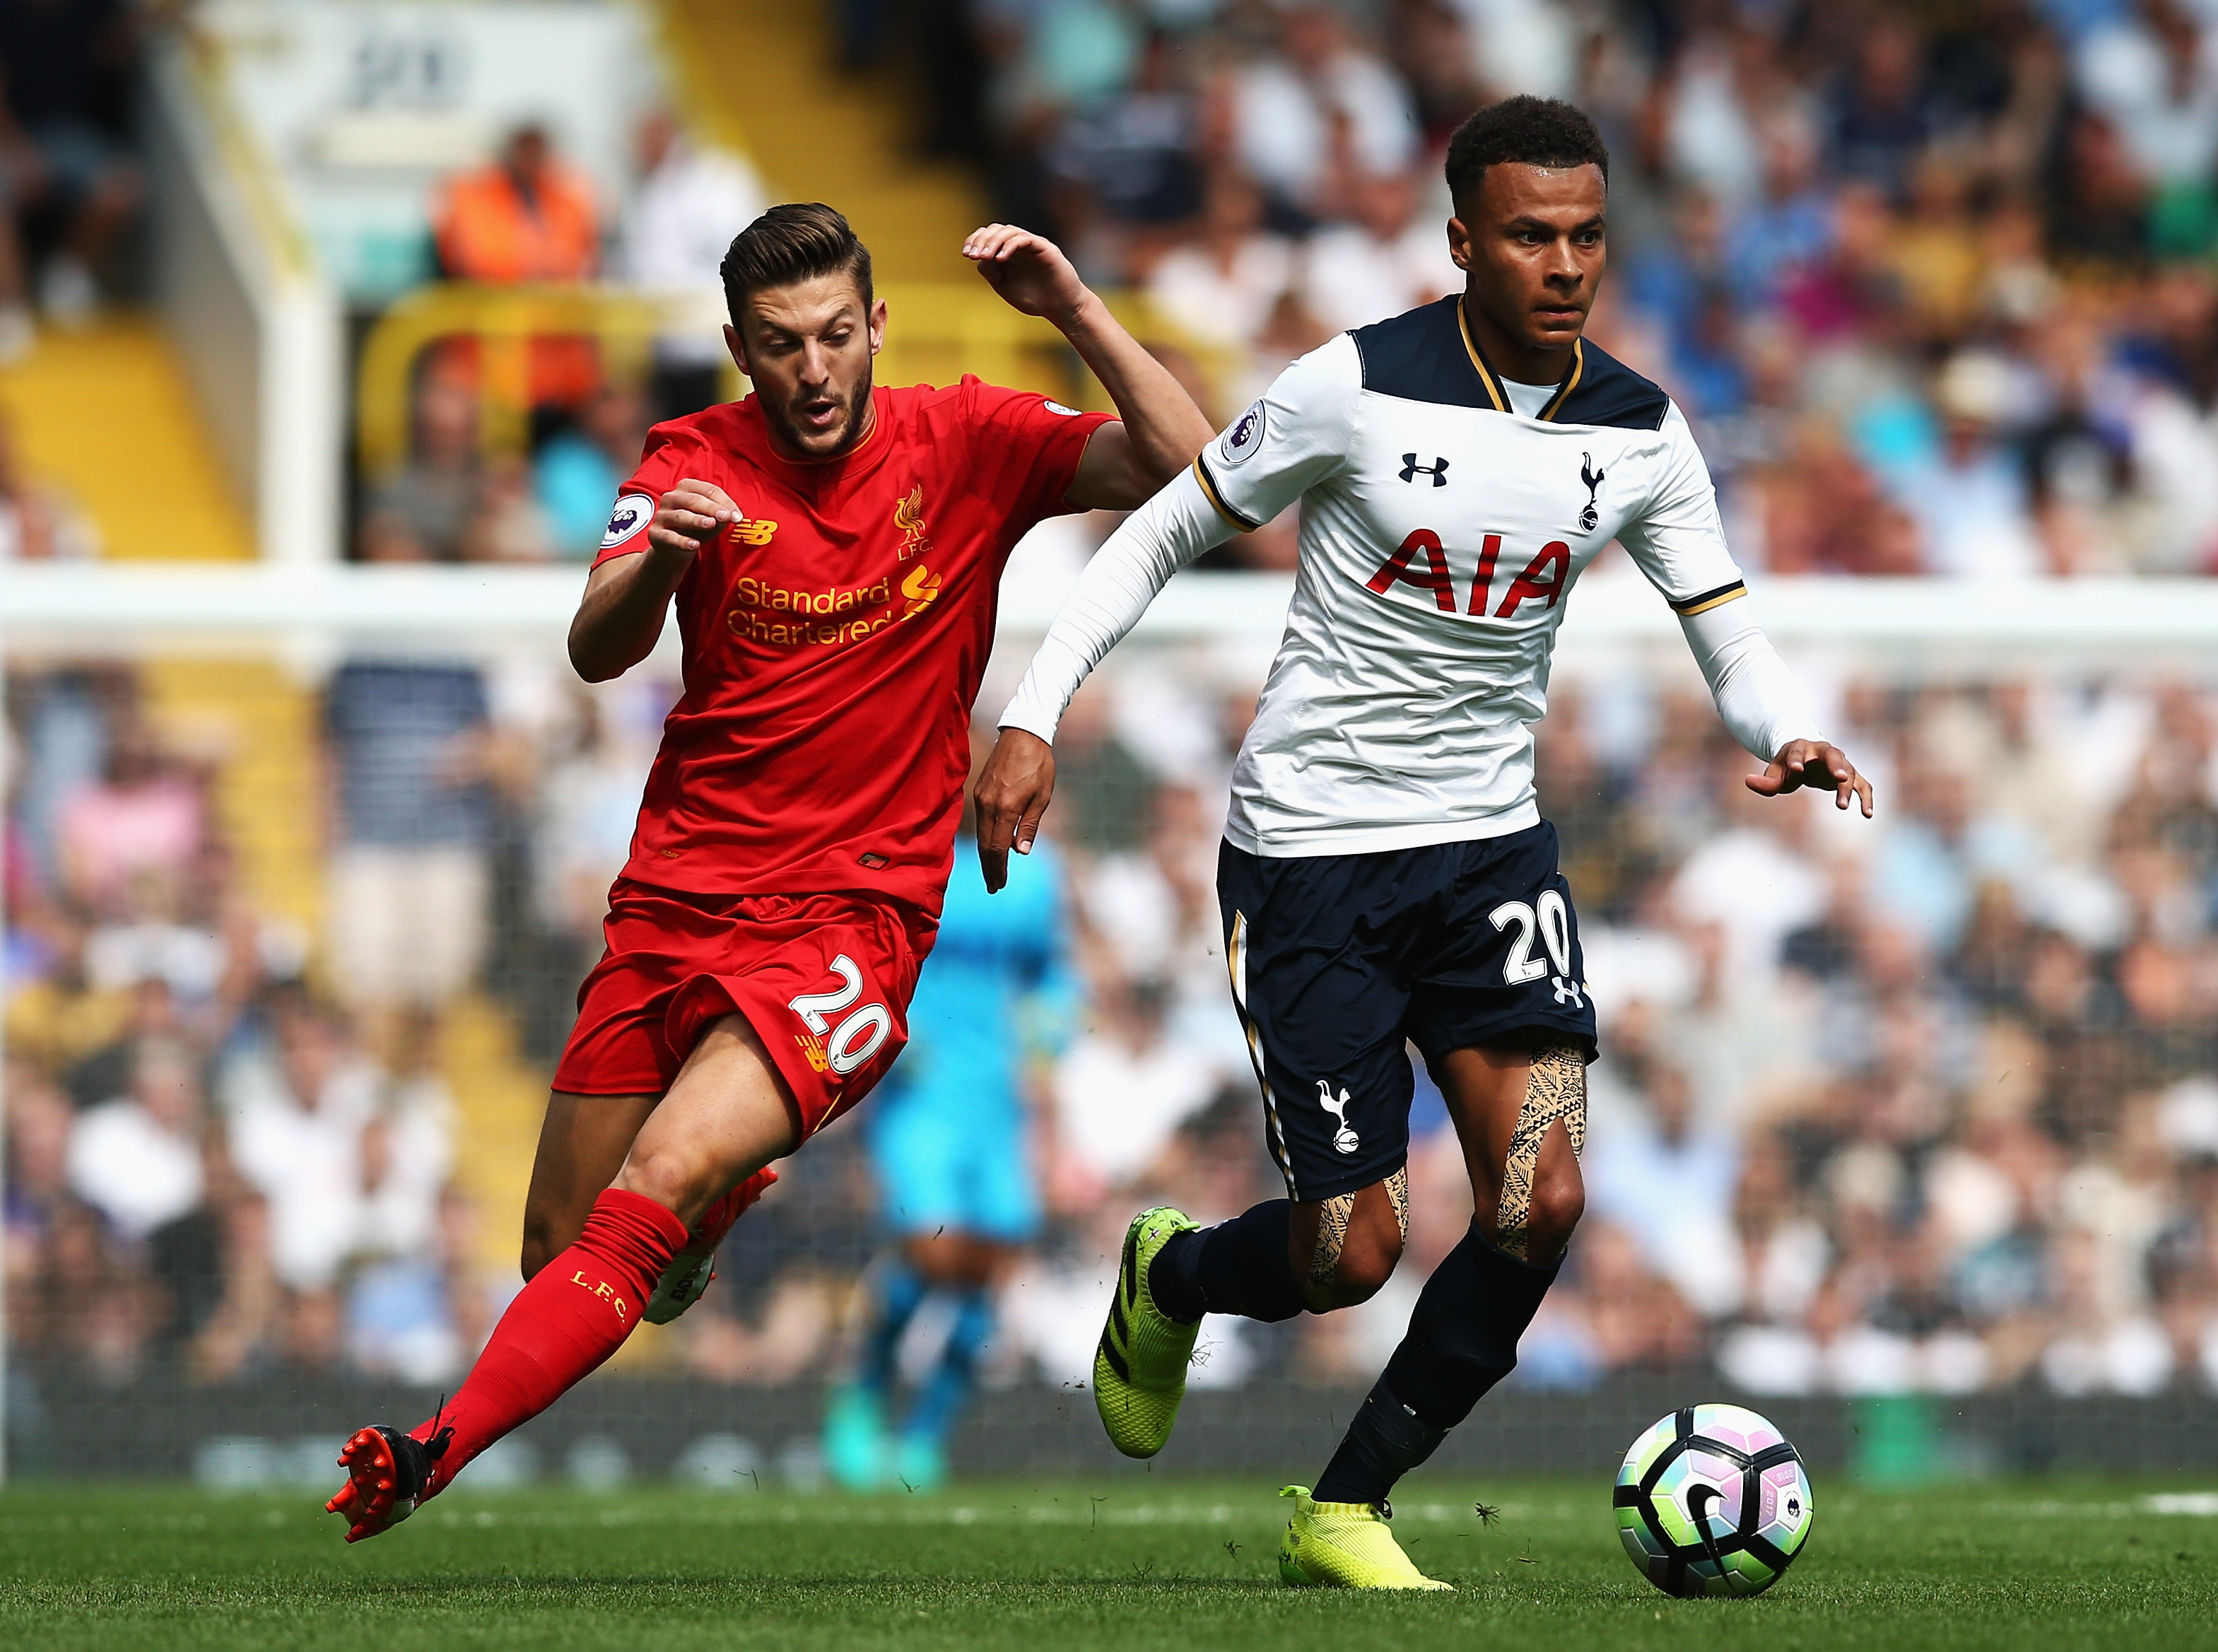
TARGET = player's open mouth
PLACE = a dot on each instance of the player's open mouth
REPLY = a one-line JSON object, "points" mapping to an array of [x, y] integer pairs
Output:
{"points": [[819, 415]]}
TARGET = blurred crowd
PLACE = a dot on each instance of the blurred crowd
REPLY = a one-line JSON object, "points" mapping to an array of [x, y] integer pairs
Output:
{"points": [[1934, 282], [214, 1169], [527, 216], [1928, 1103]]}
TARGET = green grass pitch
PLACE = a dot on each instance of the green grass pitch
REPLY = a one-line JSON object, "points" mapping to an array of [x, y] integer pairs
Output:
{"points": [[1132, 1565]]}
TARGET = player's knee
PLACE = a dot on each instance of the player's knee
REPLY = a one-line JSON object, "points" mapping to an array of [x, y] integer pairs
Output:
{"points": [[1559, 1198], [1359, 1278], [1369, 1252], [674, 1179]]}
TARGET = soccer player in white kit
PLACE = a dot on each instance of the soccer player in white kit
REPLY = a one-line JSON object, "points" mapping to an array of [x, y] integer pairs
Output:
{"points": [[1386, 877]]}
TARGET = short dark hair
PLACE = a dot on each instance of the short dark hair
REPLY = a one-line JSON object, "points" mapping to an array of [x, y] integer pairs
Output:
{"points": [[1536, 131], [797, 241]]}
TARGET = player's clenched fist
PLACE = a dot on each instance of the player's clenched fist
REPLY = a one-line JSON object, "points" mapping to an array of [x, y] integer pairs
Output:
{"points": [[690, 515], [1012, 794]]}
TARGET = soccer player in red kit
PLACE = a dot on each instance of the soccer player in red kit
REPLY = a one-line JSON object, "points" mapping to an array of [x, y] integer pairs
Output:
{"points": [[835, 552]]}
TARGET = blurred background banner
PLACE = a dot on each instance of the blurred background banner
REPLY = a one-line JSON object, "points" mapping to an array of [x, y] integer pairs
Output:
{"points": [[327, 330]]}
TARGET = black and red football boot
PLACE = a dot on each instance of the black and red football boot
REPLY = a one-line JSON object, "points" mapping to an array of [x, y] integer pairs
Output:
{"points": [[388, 1478]]}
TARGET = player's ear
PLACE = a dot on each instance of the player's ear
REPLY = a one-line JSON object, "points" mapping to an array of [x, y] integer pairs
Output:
{"points": [[1460, 243], [738, 346], [877, 326]]}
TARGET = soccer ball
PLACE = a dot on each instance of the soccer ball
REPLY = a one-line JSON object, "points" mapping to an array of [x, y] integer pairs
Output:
{"points": [[1712, 1500]]}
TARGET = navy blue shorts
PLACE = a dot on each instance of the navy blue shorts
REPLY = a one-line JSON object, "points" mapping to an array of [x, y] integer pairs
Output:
{"points": [[1340, 961]]}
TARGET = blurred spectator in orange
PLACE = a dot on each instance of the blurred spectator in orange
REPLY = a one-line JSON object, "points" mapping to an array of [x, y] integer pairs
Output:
{"points": [[526, 217]]}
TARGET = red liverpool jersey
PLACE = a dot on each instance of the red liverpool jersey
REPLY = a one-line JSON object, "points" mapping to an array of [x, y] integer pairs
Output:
{"points": [[834, 638]]}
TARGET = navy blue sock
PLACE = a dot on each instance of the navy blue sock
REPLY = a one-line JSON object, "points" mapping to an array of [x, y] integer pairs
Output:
{"points": [[1462, 1340], [1236, 1267], [897, 1291], [1385, 1441], [949, 1386]]}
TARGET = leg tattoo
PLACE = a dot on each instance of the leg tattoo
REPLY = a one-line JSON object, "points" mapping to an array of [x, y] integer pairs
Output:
{"points": [[1331, 1240], [1555, 1089], [1333, 1216]]}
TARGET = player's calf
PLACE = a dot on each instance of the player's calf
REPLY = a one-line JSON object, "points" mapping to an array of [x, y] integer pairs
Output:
{"points": [[1540, 1194]]}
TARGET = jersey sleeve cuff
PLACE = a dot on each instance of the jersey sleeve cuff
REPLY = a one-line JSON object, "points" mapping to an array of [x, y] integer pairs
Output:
{"points": [[1703, 602], [1028, 712], [1240, 522]]}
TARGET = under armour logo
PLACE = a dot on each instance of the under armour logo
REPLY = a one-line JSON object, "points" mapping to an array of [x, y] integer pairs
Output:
{"points": [[1567, 991], [1344, 1140], [1438, 469], [1593, 478]]}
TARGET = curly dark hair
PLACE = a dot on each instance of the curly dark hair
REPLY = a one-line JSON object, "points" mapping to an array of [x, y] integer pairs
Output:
{"points": [[1537, 131]]}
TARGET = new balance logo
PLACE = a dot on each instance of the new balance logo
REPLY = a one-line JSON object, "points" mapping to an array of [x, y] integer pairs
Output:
{"points": [[1344, 1140], [1438, 469]]}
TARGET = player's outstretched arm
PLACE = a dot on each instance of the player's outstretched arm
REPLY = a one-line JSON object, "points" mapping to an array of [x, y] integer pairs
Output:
{"points": [[620, 617], [1162, 429], [1678, 540], [1763, 706], [1133, 564]]}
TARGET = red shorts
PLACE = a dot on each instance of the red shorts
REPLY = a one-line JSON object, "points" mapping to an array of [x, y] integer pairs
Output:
{"points": [[823, 979]]}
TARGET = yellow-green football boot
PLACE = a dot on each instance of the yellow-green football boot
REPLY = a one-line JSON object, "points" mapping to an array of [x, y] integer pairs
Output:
{"points": [[1140, 1364], [1344, 1546]]}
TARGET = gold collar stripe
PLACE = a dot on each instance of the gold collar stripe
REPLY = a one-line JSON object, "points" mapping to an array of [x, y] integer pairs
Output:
{"points": [[1478, 362], [1571, 377]]}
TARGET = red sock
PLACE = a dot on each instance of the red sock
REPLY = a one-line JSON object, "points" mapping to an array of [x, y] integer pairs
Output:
{"points": [[574, 1314]]}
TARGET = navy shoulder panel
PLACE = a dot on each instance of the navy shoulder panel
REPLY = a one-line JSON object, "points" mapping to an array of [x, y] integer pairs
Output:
{"points": [[1608, 392], [1420, 355]]}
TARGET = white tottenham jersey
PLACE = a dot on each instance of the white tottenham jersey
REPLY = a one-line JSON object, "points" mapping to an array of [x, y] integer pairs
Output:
{"points": [[1442, 531]]}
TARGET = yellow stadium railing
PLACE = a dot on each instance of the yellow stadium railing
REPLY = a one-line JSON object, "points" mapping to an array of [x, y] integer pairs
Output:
{"points": [[935, 332], [505, 321]]}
